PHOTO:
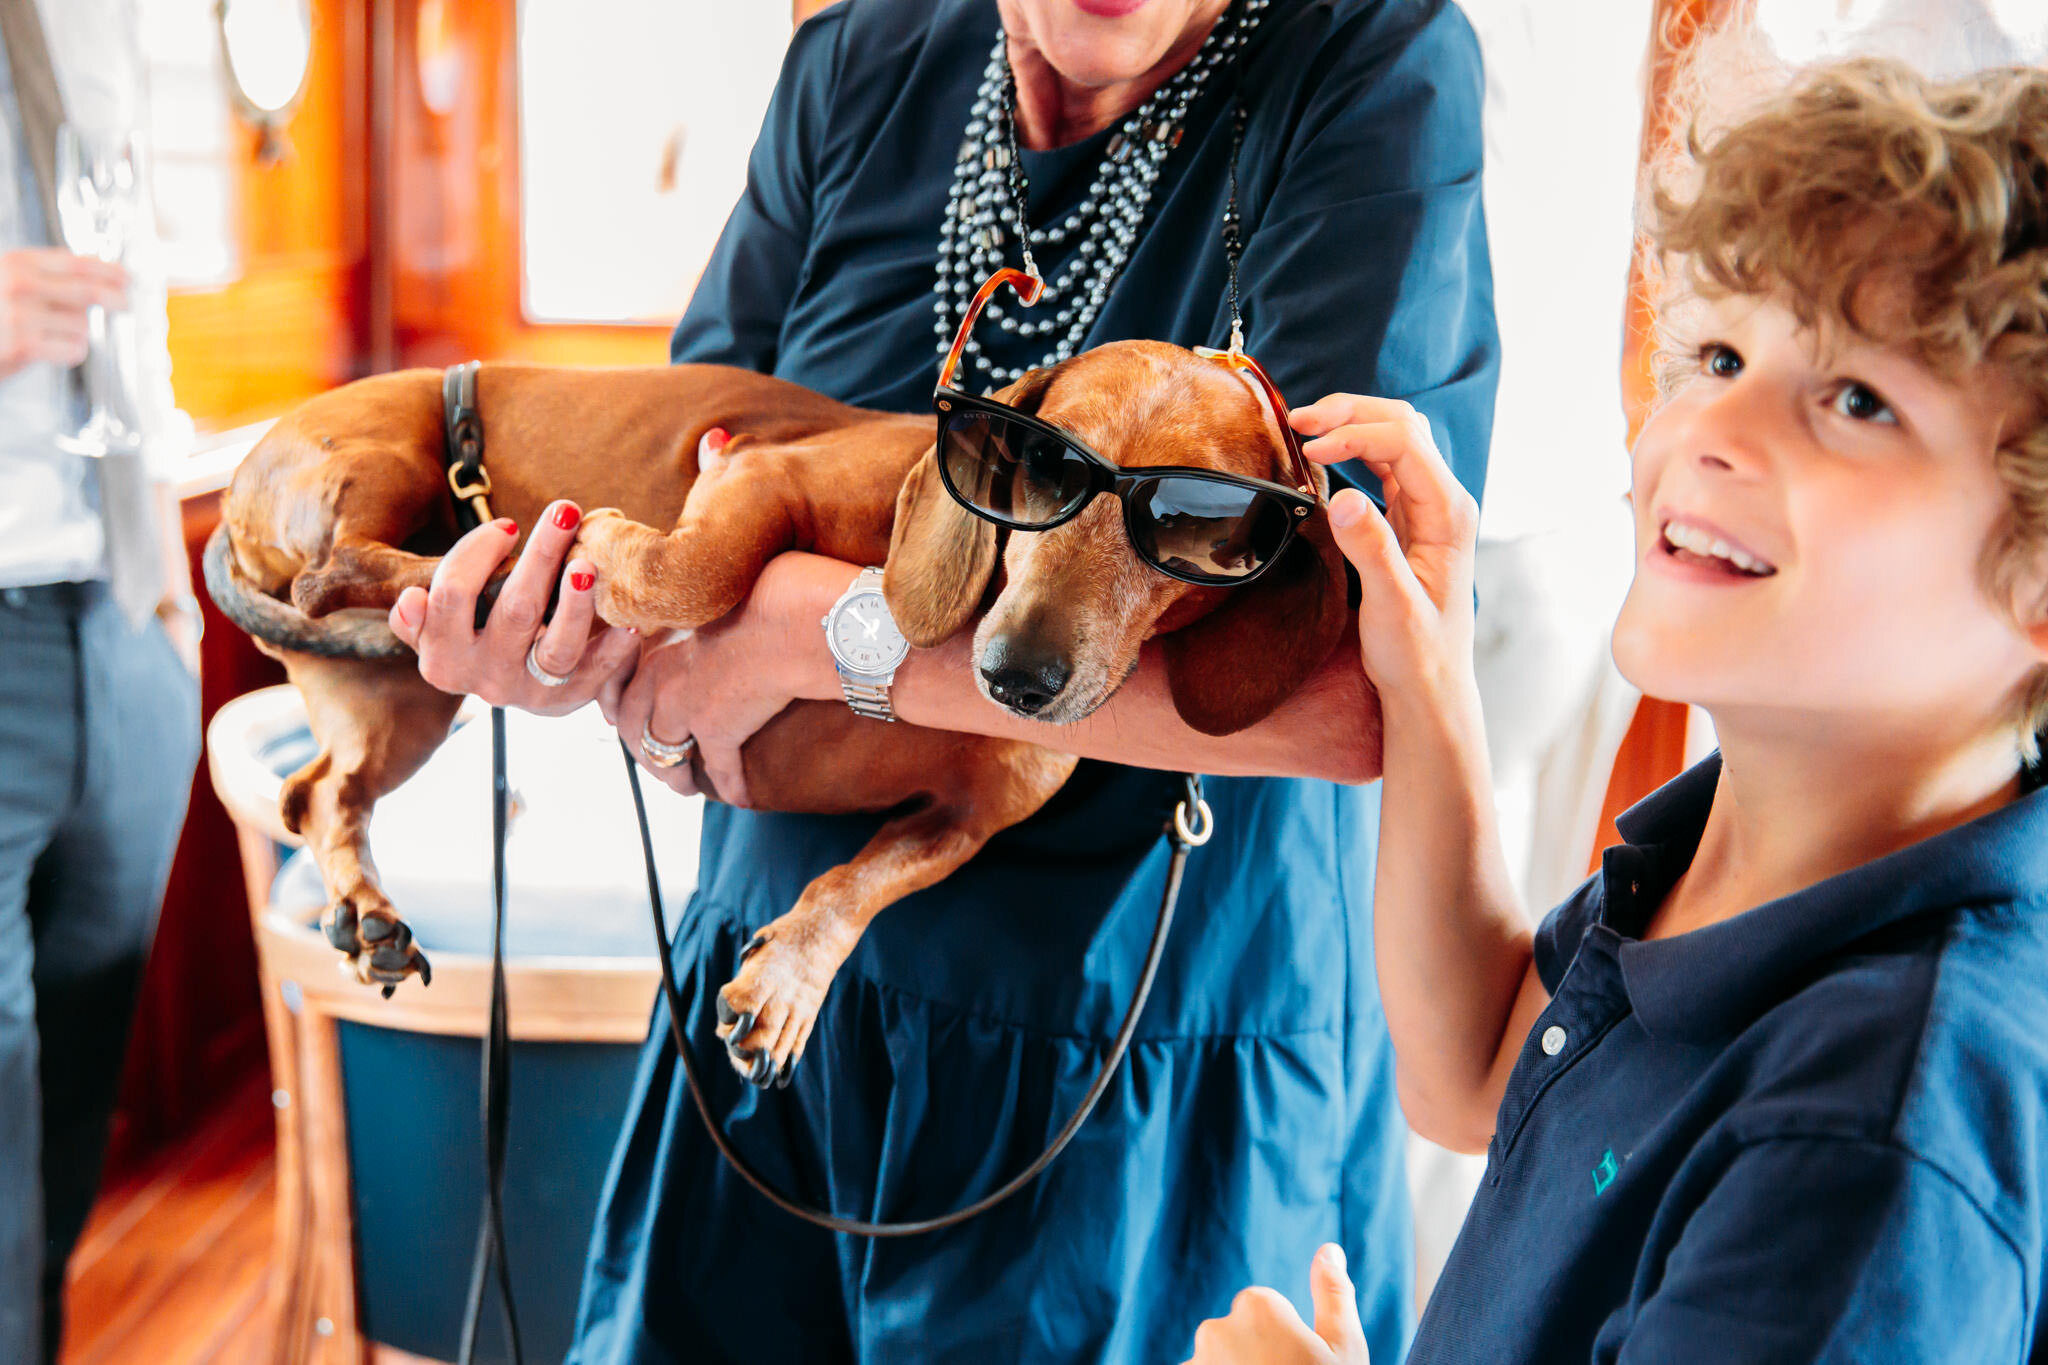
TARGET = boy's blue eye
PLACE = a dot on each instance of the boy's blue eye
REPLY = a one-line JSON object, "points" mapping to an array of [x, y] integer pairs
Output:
{"points": [[1720, 361], [1861, 403]]}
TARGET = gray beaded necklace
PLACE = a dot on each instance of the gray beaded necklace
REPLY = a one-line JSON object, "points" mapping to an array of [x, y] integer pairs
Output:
{"points": [[990, 191]]}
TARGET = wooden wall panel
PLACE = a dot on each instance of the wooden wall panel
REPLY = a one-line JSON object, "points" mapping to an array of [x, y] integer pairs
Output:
{"points": [[290, 326], [454, 236]]}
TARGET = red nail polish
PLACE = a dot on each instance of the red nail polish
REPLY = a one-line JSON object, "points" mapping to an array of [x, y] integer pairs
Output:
{"points": [[583, 582], [717, 438], [510, 528], [566, 516]]}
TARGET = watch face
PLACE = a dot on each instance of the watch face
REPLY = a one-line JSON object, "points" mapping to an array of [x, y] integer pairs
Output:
{"points": [[864, 636]]}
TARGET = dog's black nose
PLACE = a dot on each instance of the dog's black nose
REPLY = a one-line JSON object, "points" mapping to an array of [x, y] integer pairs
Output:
{"points": [[1020, 678]]}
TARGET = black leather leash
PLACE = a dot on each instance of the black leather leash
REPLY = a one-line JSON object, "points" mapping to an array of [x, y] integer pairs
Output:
{"points": [[470, 483], [1190, 827], [1180, 836]]}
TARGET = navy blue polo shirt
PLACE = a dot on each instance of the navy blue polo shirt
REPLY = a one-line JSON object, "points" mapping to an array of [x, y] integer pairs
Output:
{"points": [[1817, 1131]]}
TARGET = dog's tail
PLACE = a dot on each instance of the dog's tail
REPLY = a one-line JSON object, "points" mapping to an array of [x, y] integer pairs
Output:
{"points": [[344, 635]]}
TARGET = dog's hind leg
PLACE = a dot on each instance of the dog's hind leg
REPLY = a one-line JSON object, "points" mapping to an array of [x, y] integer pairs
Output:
{"points": [[376, 723], [360, 573]]}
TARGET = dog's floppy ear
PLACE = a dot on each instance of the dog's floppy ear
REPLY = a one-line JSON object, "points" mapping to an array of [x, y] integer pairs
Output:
{"points": [[941, 556], [1233, 667]]}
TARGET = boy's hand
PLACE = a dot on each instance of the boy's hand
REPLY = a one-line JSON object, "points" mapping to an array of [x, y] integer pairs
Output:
{"points": [[1264, 1329], [1415, 562]]}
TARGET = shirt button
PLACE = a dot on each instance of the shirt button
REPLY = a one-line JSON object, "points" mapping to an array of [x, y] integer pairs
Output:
{"points": [[1553, 1041]]}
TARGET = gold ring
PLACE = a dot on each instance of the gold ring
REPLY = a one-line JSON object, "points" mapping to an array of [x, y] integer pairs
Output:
{"points": [[665, 755]]}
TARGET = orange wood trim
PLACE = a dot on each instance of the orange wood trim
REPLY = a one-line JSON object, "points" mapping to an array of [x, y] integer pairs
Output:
{"points": [[455, 238], [1652, 753], [289, 326], [330, 1290]]}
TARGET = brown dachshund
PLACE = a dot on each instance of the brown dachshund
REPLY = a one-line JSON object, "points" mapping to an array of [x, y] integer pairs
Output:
{"points": [[344, 504]]}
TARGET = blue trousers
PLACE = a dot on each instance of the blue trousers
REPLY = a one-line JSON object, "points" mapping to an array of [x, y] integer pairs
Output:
{"points": [[99, 731]]}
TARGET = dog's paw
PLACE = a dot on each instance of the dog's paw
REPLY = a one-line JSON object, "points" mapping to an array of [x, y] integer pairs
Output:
{"points": [[616, 545], [378, 946], [767, 1011]]}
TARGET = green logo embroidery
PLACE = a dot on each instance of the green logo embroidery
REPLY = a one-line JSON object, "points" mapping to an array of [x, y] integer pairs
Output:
{"points": [[1604, 1173]]}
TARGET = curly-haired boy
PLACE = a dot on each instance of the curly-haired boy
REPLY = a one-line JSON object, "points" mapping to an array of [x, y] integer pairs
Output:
{"points": [[1773, 1085]]}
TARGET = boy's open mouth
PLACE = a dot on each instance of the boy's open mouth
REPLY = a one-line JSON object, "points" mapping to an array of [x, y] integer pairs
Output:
{"points": [[1692, 544]]}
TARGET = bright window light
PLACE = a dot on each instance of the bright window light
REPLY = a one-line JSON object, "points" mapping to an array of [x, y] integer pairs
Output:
{"points": [[635, 118]]}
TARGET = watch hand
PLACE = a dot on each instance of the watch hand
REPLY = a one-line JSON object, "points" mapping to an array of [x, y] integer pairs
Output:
{"points": [[871, 627]]}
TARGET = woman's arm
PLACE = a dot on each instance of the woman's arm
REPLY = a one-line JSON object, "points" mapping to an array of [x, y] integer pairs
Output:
{"points": [[724, 682], [1453, 948]]}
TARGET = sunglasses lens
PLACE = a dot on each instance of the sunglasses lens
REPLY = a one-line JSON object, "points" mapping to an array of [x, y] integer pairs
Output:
{"points": [[1205, 529], [1014, 472]]}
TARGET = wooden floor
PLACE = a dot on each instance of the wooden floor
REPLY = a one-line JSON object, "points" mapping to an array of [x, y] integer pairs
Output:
{"points": [[174, 1266]]}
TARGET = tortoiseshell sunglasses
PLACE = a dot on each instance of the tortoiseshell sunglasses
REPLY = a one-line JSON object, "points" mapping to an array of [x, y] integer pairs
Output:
{"points": [[1197, 525]]}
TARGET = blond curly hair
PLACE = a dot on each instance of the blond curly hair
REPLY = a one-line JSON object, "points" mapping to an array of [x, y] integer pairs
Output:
{"points": [[1855, 179]]}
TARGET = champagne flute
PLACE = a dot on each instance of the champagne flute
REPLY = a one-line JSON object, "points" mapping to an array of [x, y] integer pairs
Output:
{"points": [[99, 183]]}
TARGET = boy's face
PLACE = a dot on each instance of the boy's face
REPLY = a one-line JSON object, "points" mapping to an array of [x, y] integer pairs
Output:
{"points": [[1809, 533]]}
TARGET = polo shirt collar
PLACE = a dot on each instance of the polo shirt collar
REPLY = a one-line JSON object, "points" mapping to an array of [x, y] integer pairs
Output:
{"points": [[1712, 982]]}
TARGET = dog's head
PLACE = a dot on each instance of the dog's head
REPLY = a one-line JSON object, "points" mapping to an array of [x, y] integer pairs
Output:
{"points": [[1076, 603]]}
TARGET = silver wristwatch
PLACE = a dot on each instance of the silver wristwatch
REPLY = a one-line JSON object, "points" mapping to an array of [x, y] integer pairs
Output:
{"points": [[866, 647]]}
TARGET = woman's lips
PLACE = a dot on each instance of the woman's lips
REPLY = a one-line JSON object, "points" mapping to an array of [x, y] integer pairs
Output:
{"points": [[1110, 9]]}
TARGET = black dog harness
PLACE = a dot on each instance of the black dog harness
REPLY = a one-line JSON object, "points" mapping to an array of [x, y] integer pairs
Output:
{"points": [[1191, 825]]}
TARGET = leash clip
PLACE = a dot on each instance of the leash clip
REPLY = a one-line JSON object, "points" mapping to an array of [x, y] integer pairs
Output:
{"points": [[1194, 836], [471, 484]]}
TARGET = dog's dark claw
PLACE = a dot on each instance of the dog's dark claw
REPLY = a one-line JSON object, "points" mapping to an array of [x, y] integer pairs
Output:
{"points": [[786, 1074], [390, 987], [387, 957], [754, 944], [726, 1013], [741, 1027], [762, 1071], [341, 927], [426, 969]]}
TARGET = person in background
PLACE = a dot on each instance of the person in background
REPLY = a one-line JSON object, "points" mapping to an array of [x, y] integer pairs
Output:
{"points": [[99, 700]]}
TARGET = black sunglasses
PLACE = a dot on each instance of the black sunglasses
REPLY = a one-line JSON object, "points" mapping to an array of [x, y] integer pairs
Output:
{"points": [[1197, 525]]}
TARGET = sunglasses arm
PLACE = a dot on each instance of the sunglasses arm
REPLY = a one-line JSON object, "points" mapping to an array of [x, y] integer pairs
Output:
{"points": [[1027, 287], [1236, 359]]}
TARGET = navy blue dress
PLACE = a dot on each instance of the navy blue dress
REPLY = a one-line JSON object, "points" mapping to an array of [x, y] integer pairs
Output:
{"points": [[1256, 1115]]}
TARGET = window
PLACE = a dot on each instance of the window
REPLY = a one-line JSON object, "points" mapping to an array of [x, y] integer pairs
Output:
{"points": [[1941, 37], [635, 118], [192, 142]]}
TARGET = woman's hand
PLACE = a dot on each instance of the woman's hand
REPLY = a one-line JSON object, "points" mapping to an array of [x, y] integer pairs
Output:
{"points": [[1415, 562], [1264, 1329], [721, 683], [492, 663]]}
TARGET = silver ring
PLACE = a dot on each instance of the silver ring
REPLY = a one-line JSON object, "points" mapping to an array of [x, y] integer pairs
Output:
{"points": [[541, 675], [665, 755]]}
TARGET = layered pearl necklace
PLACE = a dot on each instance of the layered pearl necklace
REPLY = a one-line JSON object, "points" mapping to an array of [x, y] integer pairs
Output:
{"points": [[985, 210]]}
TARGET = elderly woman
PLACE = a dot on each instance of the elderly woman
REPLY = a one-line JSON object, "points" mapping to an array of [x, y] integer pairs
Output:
{"points": [[1255, 1117]]}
